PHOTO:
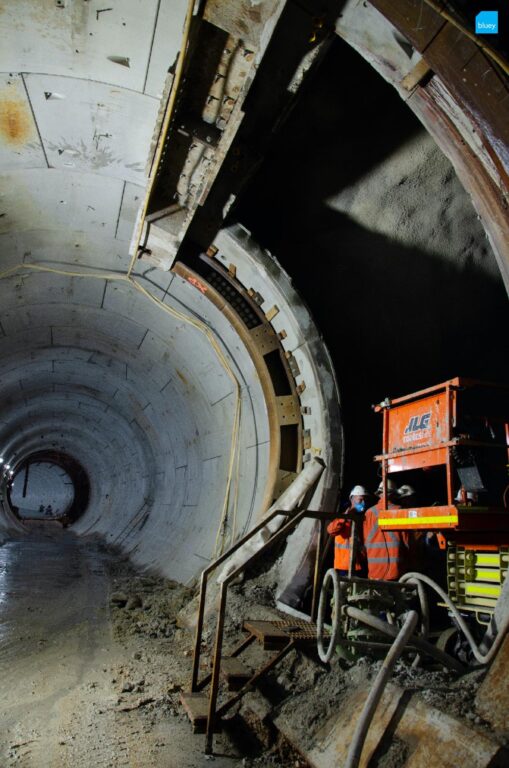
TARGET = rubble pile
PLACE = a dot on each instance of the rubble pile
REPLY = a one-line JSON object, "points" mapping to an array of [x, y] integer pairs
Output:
{"points": [[301, 692], [146, 605]]}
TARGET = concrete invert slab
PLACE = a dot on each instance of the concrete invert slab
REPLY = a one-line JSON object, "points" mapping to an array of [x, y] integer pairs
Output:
{"points": [[332, 741], [493, 695], [436, 739]]}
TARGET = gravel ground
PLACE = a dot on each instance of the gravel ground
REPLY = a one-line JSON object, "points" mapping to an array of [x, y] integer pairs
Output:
{"points": [[93, 662]]}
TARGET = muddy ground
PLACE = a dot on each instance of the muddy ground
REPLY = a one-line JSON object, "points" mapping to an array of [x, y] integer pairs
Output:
{"points": [[93, 660], [92, 664]]}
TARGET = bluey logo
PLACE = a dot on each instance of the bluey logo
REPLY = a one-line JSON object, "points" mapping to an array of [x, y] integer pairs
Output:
{"points": [[417, 423], [486, 23]]}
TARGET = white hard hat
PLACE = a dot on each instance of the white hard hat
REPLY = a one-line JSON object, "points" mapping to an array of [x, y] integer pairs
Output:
{"points": [[405, 490], [358, 490], [391, 487]]}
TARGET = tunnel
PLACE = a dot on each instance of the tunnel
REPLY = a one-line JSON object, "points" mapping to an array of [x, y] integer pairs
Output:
{"points": [[227, 232]]}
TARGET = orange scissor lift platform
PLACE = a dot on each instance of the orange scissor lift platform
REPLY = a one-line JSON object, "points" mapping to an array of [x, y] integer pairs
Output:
{"points": [[446, 426]]}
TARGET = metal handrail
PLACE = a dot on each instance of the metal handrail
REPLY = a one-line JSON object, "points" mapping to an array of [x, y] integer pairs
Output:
{"points": [[301, 486], [296, 518], [195, 686]]}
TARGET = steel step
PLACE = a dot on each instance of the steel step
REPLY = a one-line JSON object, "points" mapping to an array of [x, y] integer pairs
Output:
{"points": [[274, 635], [235, 673], [267, 633], [196, 706]]}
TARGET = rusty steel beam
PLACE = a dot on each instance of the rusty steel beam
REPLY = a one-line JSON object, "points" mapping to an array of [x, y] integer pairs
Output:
{"points": [[471, 77]]}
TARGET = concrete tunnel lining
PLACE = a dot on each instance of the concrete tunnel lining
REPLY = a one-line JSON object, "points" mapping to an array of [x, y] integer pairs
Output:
{"points": [[47, 485], [154, 421], [73, 181], [98, 192], [140, 398]]}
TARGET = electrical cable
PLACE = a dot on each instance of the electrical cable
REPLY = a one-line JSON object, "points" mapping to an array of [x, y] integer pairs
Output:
{"points": [[479, 656]]}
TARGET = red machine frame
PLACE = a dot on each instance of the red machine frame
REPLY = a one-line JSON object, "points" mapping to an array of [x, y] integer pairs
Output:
{"points": [[418, 432]]}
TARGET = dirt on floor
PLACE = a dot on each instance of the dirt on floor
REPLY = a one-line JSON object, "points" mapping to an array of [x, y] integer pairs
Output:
{"points": [[145, 611], [94, 660], [93, 663]]}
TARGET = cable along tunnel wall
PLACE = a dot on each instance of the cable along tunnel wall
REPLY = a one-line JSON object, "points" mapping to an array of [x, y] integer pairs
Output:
{"points": [[149, 386]]}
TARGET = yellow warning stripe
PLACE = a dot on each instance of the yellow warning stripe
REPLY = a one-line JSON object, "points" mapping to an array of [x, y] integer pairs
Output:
{"points": [[482, 589], [484, 575], [484, 559], [418, 520]]}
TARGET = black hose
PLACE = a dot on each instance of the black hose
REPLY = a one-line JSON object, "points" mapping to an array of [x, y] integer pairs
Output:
{"points": [[416, 642]]}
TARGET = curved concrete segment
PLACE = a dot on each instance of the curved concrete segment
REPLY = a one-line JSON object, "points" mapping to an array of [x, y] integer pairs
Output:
{"points": [[141, 399], [175, 393], [315, 384], [41, 490], [150, 387]]}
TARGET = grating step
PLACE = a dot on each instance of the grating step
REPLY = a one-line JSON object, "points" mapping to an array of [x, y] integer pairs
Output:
{"points": [[196, 706], [266, 632], [235, 673], [274, 635]]}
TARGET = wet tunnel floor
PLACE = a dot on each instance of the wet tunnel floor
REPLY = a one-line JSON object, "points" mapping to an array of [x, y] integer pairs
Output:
{"points": [[62, 670]]}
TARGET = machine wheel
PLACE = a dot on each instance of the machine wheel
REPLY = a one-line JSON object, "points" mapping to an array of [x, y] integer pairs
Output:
{"points": [[325, 654]]}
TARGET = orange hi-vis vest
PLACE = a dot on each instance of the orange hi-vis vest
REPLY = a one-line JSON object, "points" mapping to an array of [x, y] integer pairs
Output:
{"points": [[342, 530], [387, 551]]}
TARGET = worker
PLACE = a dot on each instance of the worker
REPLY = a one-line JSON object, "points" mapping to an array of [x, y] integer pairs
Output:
{"points": [[467, 498], [406, 495], [341, 529], [387, 552], [416, 542]]}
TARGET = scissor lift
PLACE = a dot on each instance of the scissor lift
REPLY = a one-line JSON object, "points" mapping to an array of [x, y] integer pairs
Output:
{"points": [[461, 426]]}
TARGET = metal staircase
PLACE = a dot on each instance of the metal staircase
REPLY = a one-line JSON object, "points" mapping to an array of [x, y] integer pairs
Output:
{"points": [[280, 637]]}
